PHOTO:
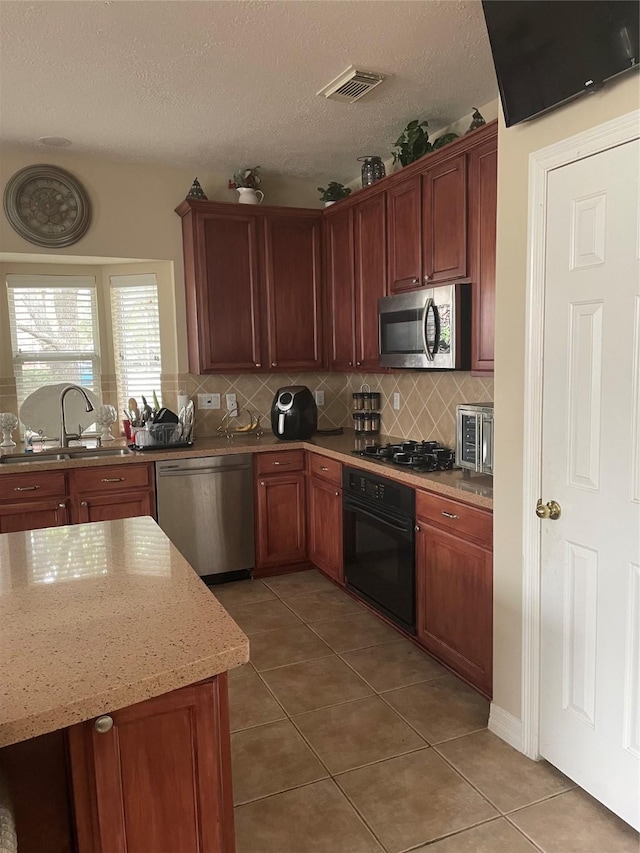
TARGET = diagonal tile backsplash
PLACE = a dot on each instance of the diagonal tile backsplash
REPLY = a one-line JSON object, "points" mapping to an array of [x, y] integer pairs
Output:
{"points": [[427, 400]]}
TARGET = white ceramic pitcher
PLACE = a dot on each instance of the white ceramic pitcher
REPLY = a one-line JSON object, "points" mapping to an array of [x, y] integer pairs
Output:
{"points": [[248, 195]]}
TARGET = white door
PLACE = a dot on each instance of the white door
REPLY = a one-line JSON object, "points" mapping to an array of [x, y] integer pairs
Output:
{"points": [[590, 651]]}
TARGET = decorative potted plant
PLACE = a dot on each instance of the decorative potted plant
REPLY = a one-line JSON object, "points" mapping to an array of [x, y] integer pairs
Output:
{"points": [[414, 143], [333, 193], [246, 182]]}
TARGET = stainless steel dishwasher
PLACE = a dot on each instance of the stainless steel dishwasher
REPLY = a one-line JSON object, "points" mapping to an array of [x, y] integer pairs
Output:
{"points": [[205, 506]]}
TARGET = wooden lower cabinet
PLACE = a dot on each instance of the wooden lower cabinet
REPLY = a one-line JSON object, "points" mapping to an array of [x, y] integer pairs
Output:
{"points": [[114, 506], [33, 514], [325, 528], [455, 603], [159, 779], [281, 539]]}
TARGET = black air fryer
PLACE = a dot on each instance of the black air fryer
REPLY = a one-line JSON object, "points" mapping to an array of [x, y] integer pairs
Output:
{"points": [[294, 414]]}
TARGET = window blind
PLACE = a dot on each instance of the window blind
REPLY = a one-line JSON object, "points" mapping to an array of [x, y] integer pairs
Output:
{"points": [[54, 331], [136, 337]]}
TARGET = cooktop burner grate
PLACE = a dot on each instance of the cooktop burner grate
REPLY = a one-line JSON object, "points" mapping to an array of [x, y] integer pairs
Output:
{"points": [[419, 456]]}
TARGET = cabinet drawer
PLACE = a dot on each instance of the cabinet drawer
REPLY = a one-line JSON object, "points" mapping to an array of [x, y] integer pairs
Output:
{"points": [[22, 486], [468, 521], [325, 469], [282, 461], [112, 478]]}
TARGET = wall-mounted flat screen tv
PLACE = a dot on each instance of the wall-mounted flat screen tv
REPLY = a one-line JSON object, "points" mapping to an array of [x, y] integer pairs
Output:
{"points": [[547, 52]]}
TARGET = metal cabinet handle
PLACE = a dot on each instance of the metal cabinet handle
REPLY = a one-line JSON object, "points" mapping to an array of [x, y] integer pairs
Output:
{"points": [[26, 488], [323, 468], [414, 280], [281, 463], [262, 483], [337, 494], [350, 364], [274, 364], [103, 724], [112, 480], [358, 363], [449, 514], [83, 503], [427, 278], [258, 364], [62, 506], [417, 529]]}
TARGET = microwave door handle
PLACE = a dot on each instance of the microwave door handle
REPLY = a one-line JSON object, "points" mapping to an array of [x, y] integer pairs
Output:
{"points": [[480, 445], [430, 305], [487, 441]]}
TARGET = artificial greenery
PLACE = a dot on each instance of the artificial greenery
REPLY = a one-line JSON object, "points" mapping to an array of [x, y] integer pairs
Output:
{"points": [[414, 143], [334, 192], [246, 178]]}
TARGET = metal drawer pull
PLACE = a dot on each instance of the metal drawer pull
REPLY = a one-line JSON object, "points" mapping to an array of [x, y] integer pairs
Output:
{"points": [[112, 479], [337, 494], [103, 724], [62, 506], [83, 503], [26, 488], [281, 463], [262, 483], [450, 514], [323, 468]]}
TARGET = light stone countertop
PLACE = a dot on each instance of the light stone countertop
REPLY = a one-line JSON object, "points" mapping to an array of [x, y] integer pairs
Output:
{"points": [[457, 484], [98, 616]]}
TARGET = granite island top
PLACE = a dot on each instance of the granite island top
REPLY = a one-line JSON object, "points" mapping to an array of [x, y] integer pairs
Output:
{"points": [[458, 484], [98, 616]]}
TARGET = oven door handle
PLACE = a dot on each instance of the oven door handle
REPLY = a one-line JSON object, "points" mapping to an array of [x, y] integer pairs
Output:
{"points": [[396, 524]]}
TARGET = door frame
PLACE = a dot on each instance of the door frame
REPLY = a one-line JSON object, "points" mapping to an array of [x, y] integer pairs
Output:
{"points": [[611, 134]]}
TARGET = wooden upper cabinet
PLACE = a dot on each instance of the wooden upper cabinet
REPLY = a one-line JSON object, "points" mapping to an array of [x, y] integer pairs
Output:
{"points": [[370, 224], [483, 189], [222, 290], [404, 210], [445, 221], [293, 291], [340, 288], [253, 287]]}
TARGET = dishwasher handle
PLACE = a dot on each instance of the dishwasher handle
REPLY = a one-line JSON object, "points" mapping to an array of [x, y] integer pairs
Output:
{"points": [[192, 472]]}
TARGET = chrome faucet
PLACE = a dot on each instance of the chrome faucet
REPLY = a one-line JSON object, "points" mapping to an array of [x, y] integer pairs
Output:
{"points": [[65, 436]]}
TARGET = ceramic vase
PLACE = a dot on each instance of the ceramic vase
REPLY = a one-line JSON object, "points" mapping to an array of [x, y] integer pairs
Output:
{"points": [[8, 422], [249, 196]]}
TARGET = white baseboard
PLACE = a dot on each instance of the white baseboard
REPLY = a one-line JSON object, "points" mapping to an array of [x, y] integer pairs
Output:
{"points": [[506, 726]]}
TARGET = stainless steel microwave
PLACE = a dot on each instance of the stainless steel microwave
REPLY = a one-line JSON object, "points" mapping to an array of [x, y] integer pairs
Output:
{"points": [[474, 437], [428, 328]]}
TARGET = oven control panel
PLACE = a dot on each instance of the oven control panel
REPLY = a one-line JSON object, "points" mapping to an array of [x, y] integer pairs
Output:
{"points": [[379, 490]]}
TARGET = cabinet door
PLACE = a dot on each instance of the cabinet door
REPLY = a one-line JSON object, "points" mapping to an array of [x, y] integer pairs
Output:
{"points": [[340, 288], [483, 188], [280, 521], [33, 515], [404, 209], [159, 779], [445, 220], [325, 528], [371, 278], [292, 247], [455, 604], [223, 308], [111, 507]]}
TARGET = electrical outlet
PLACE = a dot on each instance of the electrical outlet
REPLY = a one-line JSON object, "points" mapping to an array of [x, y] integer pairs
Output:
{"points": [[396, 400], [208, 401], [232, 405], [319, 395]]}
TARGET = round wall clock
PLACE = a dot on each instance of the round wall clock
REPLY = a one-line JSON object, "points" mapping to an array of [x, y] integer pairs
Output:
{"points": [[47, 206]]}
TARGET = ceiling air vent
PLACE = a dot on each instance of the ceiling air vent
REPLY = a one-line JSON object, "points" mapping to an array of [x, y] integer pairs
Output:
{"points": [[351, 85]]}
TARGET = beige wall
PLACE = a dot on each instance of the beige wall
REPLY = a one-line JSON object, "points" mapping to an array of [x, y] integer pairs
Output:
{"points": [[514, 147], [133, 216]]}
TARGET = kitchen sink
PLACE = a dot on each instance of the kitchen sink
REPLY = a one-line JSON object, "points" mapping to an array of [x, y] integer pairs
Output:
{"points": [[64, 455]]}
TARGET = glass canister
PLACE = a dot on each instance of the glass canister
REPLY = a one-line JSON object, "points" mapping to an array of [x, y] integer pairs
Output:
{"points": [[371, 401], [358, 401], [372, 169], [358, 423]]}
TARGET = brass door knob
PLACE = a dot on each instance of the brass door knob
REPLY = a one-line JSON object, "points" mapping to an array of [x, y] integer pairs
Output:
{"points": [[549, 510]]}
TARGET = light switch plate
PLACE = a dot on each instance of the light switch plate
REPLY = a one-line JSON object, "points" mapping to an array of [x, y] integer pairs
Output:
{"points": [[208, 401], [319, 395], [396, 400]]}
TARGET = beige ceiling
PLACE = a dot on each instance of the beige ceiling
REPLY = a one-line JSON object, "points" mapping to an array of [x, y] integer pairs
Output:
{"points": [[224, 84]]}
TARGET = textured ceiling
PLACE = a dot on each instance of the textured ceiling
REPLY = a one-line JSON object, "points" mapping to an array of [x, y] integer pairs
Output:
{"points": [[224, 84]]}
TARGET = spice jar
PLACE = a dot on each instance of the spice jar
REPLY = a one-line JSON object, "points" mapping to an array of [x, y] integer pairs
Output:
{"points": [[375, 422], [371, 401], [358, 422], [358, 400]]}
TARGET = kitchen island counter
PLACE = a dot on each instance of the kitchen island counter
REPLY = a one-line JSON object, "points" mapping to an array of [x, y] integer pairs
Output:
{"points": [[97, 617]]}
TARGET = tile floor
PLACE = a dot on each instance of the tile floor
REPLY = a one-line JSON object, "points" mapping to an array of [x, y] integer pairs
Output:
{"points": [[346, 738]]}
